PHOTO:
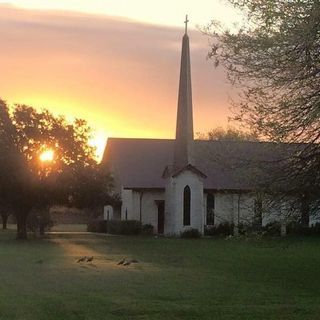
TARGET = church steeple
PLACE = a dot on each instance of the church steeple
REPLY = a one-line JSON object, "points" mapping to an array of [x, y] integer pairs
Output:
{"points": [[184, 128]]}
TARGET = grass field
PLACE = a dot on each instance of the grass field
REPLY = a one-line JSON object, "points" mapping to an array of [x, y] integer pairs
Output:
{"points": [[60, 227], [174, 278], [69, 227]]}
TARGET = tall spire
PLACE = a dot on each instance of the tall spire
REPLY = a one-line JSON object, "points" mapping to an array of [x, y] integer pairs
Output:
{"points": [[184, 129]]}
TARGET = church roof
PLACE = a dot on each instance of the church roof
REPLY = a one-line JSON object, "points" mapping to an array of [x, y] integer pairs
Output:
{"points": [[228, 165]]}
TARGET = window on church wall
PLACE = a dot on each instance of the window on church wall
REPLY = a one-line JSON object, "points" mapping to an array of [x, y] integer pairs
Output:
{"points": [[186, 206], [210, 209]]}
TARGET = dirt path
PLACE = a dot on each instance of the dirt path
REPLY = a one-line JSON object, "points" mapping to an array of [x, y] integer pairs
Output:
{"points": [[76, 248]]}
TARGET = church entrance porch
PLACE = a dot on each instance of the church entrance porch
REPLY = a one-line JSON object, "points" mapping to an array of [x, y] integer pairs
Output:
{"points": [[160, 205]]}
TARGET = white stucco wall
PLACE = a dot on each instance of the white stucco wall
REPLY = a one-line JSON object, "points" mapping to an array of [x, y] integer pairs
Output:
{"points": [[149, 210], [174, 203], [225, 210], [127, 204], [237, 208]]}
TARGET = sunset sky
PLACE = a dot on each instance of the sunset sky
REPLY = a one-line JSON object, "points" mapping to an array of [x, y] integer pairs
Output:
{"points": [[114, 63]]}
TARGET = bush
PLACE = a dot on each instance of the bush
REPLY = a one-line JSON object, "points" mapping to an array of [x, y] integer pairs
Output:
{"points": [[147, 229], [272, 228], [248, 229], [222, 229], [97, 225], [296, 228], [316, 228], [209, 230], [191, 234], [126, 227]]}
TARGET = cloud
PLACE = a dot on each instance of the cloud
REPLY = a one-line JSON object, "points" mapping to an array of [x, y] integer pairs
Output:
{"points": [[119, 74]]}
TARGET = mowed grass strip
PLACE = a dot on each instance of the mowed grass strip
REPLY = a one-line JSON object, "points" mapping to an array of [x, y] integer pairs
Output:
{"points": [[173, 279]]}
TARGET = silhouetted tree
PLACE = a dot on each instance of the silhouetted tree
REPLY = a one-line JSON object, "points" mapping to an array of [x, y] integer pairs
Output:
{"points": [[5, 212], [16, 178], [274, 59], [40, 184]]}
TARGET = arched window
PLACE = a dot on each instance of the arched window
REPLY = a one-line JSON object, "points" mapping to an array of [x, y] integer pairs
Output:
{"points": [[186, 206], [210, 209]]}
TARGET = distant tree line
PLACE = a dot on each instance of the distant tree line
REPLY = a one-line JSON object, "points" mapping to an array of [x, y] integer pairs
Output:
{"points": [[228, 134]]}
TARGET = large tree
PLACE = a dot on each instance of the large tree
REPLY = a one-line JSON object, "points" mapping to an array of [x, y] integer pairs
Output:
{"points": [[274, 60], [16, 179], [38, 184]]}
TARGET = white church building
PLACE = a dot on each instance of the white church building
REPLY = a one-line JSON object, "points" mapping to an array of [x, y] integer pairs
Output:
{"points": [[179, 184]]}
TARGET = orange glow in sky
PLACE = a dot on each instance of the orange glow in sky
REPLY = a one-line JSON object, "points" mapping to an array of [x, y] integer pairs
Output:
{"points": [[119, 74]]}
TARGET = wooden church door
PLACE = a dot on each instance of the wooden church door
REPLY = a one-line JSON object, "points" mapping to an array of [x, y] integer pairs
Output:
{"points": [[160, 204]]}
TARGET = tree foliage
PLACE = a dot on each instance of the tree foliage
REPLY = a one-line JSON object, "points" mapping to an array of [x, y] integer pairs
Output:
{"points": [[16, 180], [274, 58], [73, 177]]}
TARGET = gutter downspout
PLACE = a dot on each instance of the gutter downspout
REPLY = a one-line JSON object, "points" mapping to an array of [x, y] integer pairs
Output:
{"points": [[140, 206]]}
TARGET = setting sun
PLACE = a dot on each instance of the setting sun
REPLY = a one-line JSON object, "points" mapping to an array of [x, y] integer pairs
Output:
{"points": [[47, 155]]}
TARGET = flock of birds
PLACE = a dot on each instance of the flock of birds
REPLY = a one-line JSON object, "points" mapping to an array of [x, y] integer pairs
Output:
{"points": [[123, 262]]}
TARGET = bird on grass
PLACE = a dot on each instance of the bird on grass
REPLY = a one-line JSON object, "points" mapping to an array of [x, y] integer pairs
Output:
{"points": [[134, 261], [126, 262], [90, 259], [82, 259]]}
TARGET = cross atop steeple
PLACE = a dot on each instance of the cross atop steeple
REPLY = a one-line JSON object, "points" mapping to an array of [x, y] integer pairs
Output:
{"points": [[186, 23]]}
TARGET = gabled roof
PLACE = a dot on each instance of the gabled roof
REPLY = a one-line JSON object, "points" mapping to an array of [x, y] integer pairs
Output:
{"points": [[171, 171], [139, 163]]}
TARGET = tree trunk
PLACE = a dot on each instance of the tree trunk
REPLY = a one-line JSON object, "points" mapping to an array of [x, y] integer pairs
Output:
{"points": [[4, 221], [258, 210], [22, 226], [283, 229], [305, 211], [41, 229]]}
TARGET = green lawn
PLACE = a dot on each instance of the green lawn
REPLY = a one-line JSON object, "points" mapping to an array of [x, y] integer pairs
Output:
{"points": [[60, 227], [174, 279], [69, 227]]}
